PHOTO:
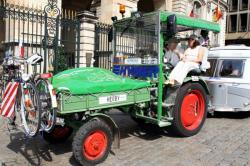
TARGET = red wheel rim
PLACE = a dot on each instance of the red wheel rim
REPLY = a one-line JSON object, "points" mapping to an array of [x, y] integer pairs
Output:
{"points": [[60, 132], [95, 145], [192, 110]]}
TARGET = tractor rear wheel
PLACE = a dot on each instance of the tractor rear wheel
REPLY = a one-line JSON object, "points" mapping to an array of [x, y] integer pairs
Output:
{"points": [[190, 110], [92, 142], [58, 135]]}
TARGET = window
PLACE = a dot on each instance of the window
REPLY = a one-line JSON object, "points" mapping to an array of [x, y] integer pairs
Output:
{"points": [[244, 5], [232, 23], [234, 5], [197, 9], [243, 22], [210, 72], [230, 68]]}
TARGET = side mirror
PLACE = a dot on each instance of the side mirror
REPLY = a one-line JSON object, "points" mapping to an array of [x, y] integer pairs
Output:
{"points": [[110, 35], [171, 26]]}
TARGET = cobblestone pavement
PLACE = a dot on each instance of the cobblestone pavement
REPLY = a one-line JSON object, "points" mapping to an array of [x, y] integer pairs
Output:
{"points": [[224, 141]]}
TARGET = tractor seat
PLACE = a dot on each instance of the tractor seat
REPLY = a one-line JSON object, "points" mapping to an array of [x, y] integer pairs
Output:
{"points": [[46, 75], [195, 72]]}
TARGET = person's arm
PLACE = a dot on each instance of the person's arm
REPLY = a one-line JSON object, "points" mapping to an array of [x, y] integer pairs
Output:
{"points": [[183, 56], [179, 54]]}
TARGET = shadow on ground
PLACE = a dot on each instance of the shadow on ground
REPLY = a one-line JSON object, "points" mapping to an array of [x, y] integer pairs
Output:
{"points": [[36, 151], [231, 115]]}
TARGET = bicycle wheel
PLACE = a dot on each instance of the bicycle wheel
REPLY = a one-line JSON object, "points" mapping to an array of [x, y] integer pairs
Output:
{"points": [[2, 87], [30, 110], [1, 91], [48, 114]]}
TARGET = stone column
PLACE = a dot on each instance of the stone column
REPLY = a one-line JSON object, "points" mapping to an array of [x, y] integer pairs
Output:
{"points": [[87, 39]]}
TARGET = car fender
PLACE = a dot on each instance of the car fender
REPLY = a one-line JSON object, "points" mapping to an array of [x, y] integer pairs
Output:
{"points": [[199, 80]]}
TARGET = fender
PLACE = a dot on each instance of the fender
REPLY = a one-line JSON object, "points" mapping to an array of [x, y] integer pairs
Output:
{"points": [[111, 123], [199, 80]]}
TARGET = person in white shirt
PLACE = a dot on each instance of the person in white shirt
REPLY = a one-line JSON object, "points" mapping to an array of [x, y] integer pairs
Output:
{"points": [[191, 59], [172, 53]]}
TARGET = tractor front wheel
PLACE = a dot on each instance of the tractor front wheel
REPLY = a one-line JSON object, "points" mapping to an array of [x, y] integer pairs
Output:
{"points": [[92, 142], [190, 110]]}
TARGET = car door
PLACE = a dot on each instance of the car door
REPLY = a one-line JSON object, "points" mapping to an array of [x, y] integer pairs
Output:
{"points": [[232, 85], [215, 85]]}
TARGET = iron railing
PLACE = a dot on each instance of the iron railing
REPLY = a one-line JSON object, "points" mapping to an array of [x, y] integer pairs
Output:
{"points": [[57, 38]]}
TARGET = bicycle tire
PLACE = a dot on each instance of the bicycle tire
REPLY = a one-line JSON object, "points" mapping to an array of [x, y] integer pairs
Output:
{"points": [[2, 86], [30, 107], [48, 114]]}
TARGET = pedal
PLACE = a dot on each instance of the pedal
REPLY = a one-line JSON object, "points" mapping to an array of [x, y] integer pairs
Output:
{"points": [[164, 123], [164, 119]]}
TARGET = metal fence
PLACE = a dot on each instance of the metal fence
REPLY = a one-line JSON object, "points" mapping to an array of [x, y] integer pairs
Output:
{"points": [[50, 33], [103, 48]]}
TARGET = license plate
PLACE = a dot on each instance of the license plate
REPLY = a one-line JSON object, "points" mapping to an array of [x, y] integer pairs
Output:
{"points": [[112, 99]]}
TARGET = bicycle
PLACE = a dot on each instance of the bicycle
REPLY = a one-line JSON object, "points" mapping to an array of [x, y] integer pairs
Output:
{"points": [[21, 96], [47, 96]]}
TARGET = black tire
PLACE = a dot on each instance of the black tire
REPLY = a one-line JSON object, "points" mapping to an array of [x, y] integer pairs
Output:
{"points": [[189, 90], [86, 133], [2, 88], [48, 114], [54, 138]]}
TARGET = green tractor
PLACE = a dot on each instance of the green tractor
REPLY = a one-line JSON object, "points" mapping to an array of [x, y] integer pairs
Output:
{"points": [[135, 86]]}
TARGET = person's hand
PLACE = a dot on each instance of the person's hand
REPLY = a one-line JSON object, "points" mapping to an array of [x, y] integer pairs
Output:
{"points": [[176, 52], [183, 59]]}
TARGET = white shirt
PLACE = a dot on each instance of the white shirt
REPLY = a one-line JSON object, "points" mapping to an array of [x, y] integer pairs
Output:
{"points": [[171, 57], [192, 53]]}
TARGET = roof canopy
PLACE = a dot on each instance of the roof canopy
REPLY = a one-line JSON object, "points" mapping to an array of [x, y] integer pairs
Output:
{"points": [[191, 22]]}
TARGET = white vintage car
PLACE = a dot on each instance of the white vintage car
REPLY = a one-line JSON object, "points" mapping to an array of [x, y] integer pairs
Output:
{"points": [[229, 78]]}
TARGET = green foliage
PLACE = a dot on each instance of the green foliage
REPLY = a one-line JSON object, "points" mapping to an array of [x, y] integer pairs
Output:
{"points": [[61, 61]]}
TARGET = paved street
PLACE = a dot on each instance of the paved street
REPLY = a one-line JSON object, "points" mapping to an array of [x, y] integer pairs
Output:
{"points": [[224, 141]]}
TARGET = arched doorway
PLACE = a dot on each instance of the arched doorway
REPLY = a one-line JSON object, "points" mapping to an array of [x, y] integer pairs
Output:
{"points": [[77, 5], [146, 6], [197, 9]]}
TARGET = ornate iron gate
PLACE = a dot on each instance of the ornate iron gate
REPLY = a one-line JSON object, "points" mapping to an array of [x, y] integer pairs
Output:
{"points": [[103, 48], [54, 35]]}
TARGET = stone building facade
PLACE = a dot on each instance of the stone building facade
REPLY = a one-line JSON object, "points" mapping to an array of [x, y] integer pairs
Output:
{"points": [[238, 26]]}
